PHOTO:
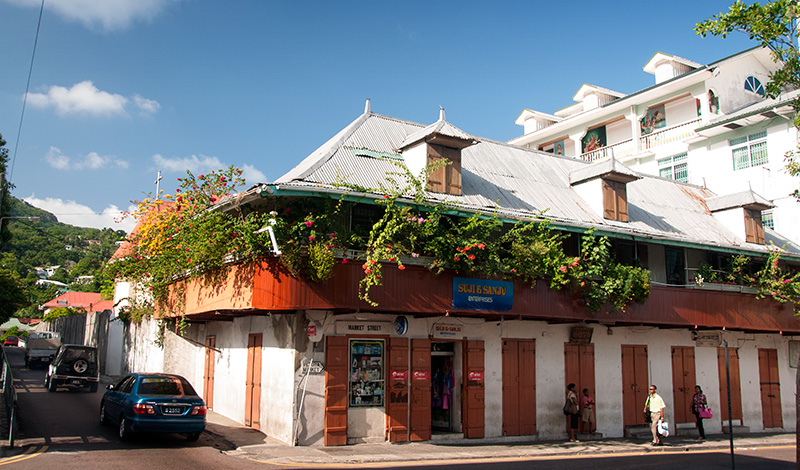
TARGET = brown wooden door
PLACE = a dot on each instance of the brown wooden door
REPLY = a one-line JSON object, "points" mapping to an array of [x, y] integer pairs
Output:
{"points": [[336, 380], [208, 371], [473, 390], [634, 384], [579, 369], [770, 388], [420, 426], [736, 389], [683, 382], [519, 387], [252, 400], [397, 391]]}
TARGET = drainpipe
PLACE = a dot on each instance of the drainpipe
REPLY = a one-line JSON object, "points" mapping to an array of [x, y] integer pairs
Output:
{"points": [[268, 228]]}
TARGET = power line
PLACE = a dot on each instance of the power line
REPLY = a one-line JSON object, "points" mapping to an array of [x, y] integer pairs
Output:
{"points": [[25, 99]]}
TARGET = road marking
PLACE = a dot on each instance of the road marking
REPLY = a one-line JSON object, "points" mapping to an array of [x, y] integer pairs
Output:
{"points": [[28, 454]]}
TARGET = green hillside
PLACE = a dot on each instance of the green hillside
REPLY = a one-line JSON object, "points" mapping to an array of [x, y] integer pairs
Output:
{"points": [[28, 244]]}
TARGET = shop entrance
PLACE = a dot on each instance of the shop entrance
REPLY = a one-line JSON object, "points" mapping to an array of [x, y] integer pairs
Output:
{"points": [[442, 387]]}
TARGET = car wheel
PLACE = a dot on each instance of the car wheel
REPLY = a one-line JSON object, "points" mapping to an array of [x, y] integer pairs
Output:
{"points": [[193, 436], [124, 433], [103, 416], [51, 386], [27, 362], [80, 366], [93, 387]]}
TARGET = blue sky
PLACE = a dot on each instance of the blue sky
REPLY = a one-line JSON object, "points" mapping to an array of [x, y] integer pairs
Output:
{"points": [[123, 88]]}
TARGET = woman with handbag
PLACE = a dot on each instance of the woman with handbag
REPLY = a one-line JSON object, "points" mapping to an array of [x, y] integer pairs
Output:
{"points": [[699, 405], [571, 407]]}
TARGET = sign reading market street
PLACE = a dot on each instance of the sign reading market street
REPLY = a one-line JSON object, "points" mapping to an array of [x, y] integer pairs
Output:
{"points": [[482, 294]]}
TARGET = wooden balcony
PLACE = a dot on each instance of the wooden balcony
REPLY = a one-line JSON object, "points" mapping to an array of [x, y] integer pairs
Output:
{"points": [[259, 288]]}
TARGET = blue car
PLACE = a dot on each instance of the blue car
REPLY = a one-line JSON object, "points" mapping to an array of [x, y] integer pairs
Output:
{"points": [[154, 403]]}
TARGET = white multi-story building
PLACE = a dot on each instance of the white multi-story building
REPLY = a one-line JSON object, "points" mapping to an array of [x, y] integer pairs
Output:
{"points": [[707, 125]]}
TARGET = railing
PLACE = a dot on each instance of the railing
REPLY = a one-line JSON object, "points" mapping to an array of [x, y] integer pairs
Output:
{"points": [[618, 150], [10, 398], [625, 148], [671, 134]]}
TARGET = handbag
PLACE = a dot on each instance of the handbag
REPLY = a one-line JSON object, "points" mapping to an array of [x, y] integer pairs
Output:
{"points": [[569, 408], [648, 418], [663, 428], [705, 413]]}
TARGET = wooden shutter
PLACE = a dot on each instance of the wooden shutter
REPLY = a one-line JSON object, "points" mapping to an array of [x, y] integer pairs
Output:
{"points": [[753, 227], [736, 389], [769, 381], [473, 396], [621, 194], [683, 382], [609, 201], [397, 391], [336, 376], [437, 178], [420, 390]]}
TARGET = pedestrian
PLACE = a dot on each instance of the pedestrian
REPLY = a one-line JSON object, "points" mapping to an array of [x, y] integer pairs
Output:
{"points": [[587, 412], [574, 417], [655, 406], [699, 401]]}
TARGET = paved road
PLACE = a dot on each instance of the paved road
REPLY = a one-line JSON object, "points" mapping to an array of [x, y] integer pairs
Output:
{"points": [[61, 430]]}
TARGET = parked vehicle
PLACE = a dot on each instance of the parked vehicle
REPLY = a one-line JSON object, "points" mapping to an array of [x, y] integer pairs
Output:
{"points": [[160, 403], [74, 366], [41, 347], [11, 341]]}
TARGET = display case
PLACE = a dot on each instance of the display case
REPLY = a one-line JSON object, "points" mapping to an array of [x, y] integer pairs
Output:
{"points": [[366, 373]]}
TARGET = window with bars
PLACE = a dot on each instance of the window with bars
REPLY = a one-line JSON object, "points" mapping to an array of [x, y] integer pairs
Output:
{"points": [[768, 219], [674, 168], [753, 84], [749, 151]]}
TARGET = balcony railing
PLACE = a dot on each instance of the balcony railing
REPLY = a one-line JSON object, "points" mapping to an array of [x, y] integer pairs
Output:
{"points": [[626, 148], [670, 134], [618, 150]]}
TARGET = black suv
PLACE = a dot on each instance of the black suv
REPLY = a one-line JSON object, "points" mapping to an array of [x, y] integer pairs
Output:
{"points": [[74, 365]]}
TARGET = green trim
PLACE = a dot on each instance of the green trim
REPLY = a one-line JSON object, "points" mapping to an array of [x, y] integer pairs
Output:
{"points": [[641, 238]]}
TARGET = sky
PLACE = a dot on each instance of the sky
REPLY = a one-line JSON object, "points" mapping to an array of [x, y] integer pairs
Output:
{"points": [[122, 89]]}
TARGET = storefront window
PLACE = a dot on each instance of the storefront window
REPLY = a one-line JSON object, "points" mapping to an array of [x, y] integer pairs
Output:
{"points": [[366, 373]]}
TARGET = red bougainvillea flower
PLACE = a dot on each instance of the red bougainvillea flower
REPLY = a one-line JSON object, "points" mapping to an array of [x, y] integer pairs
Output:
{"points": [[344, 260], [386, 196], [311, 238], [309, 223], [401, 267], [563, 269], [481, 246], [367, 271], [455, 258], [471, 256]]}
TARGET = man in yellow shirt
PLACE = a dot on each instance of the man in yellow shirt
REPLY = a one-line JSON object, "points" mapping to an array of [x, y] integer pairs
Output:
{"points": [[655, 406]]}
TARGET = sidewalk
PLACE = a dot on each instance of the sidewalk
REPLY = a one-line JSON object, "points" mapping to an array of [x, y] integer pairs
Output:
{"points": [[251, 444]]}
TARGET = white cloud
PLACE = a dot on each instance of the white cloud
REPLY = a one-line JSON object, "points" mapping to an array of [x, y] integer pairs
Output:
{"points": [[93, 161], [146, 105], [106, 15], [195, 164], [70, 212], [252, 175], [85, 99]]}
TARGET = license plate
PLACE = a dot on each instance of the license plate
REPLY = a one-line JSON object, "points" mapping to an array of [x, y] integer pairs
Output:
{"points": [[173, 410], [76, 382]]}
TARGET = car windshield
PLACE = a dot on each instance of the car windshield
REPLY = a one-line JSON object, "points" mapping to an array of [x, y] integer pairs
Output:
{"points": [[165, 386], [74, 353]]}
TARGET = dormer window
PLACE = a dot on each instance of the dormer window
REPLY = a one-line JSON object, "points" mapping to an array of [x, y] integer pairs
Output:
{"points": [[753, 226], [447, 178], [753, 84], [615, 200]]}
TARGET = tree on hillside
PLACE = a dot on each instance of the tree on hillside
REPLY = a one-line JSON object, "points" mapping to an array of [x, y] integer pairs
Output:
{"points": [[12, 294], [5, 188]]}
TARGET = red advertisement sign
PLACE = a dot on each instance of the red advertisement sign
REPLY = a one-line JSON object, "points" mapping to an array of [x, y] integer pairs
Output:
{"points": [[399, 375], [312, 330], [475, 375], [421, 375]]}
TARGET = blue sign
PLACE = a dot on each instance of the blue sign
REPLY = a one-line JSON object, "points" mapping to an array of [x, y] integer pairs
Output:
{"points": [[482, 294]]}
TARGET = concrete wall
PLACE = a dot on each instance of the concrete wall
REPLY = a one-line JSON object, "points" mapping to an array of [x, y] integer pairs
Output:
{"points": [[550, 375]]}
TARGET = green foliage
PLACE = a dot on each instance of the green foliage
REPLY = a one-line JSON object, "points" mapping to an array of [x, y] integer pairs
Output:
{"points": [[774, 25], [15, 331], [62, 312], [12, 294]]}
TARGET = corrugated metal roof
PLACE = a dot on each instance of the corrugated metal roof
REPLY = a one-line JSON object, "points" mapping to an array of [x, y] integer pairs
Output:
{"points": [[520, 183]]}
